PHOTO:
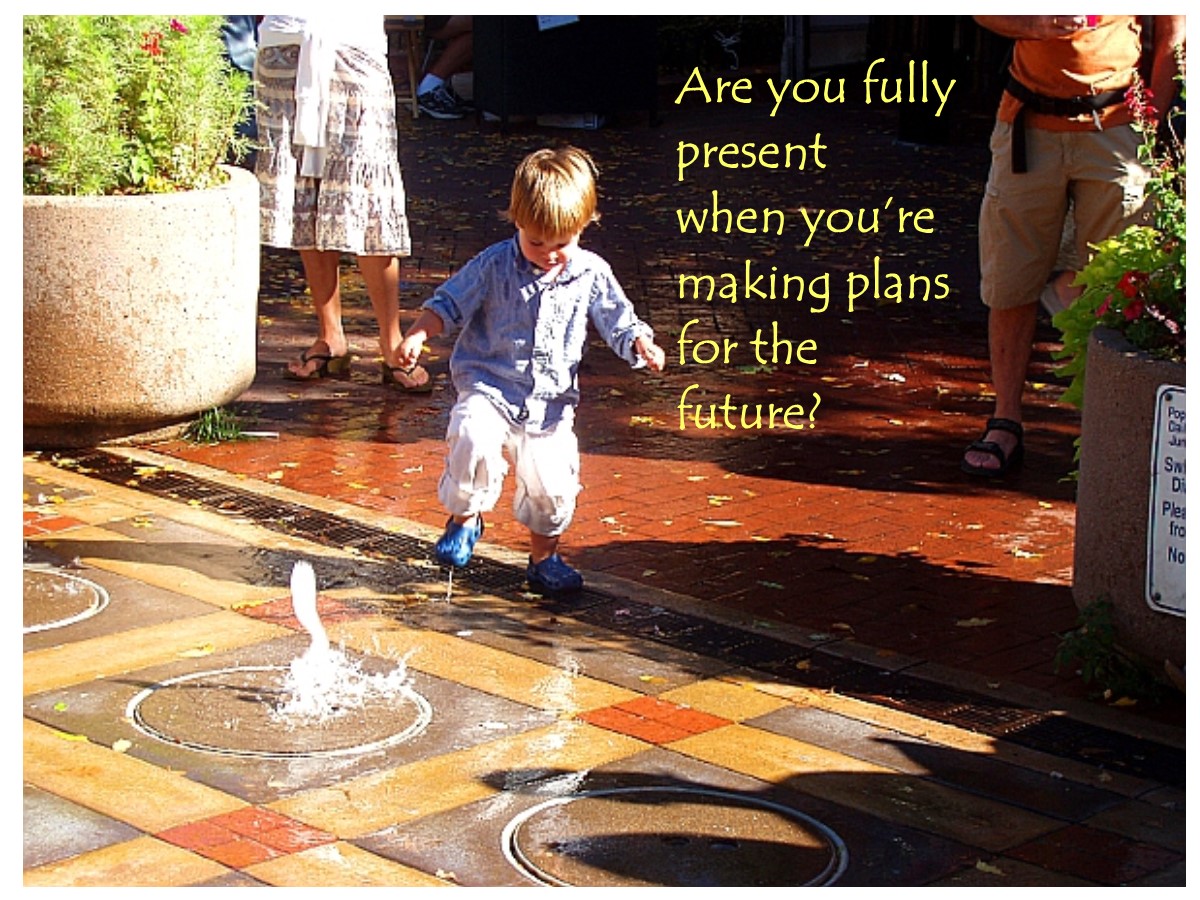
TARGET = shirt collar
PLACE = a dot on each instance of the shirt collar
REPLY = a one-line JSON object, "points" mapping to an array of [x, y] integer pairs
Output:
{"points": [[525, 266]]}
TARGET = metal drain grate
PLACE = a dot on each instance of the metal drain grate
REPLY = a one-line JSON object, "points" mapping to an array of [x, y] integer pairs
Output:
{"points": [[1055, 734]]}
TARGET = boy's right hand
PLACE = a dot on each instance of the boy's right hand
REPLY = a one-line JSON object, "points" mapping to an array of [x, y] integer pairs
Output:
{"points": [[410, 350]]}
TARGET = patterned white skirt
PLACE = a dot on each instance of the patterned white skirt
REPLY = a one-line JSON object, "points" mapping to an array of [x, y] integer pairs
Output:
{"points": [[357, 205]]}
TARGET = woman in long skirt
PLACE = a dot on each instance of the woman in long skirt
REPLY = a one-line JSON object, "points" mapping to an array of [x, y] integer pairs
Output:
{"points": [[329, 174]]}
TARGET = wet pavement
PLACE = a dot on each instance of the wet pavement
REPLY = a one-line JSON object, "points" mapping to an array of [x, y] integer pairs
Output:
{"points": [[801, 657]]}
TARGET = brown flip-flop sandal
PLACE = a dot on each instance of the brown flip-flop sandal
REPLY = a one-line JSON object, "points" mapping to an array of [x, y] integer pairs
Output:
{"points": [[331, 366], [409, 380]]}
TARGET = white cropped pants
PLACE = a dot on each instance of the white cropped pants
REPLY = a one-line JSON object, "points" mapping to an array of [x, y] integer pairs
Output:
{"points": [[546, 465]]}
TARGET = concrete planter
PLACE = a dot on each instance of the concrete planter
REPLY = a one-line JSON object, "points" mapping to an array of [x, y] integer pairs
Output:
{"points": [[1112, 511], [140, 311]]}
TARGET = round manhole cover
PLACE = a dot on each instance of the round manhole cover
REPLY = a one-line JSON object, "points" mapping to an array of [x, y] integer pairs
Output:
{"points": [[674, 837], [55, 599], [234, 711]]}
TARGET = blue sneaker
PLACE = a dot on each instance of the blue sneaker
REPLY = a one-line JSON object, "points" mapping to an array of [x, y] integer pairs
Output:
{"points": [[552, 575], [457, 543]]}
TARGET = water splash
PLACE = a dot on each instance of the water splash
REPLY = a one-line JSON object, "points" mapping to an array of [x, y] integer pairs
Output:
{"points": [[323, 683]]}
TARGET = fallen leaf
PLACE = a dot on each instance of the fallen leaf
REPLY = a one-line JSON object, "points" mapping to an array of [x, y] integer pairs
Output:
{"points": [[641, 420], [652, 679], [1025, 554], [247, 604], [722, 523], [974, 622], [67, 736], [196, 652], [60, 706], [120, 745], [275, 476], [988, 868]]}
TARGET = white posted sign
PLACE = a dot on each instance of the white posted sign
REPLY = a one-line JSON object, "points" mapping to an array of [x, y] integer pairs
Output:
{"points": [[1165, 569]]}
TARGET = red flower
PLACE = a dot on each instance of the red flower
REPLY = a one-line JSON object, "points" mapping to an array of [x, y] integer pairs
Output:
{"points": [[176, 25], [150, 42], [1134, 310], [1130, 283], [1103, 307]]}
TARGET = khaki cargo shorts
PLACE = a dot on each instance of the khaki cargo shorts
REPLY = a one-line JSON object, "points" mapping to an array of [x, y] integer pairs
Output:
{"points": [[1095, 174]]}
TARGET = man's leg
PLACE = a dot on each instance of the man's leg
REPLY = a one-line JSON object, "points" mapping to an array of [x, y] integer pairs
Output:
{"points": [[1010, 345]]}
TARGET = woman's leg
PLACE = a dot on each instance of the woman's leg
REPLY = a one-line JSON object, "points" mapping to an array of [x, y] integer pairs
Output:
{"points": [[321, 273], [382, 277]]}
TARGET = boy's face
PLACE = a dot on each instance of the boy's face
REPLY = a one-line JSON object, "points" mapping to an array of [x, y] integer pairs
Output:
{"points": [[545, 251]]}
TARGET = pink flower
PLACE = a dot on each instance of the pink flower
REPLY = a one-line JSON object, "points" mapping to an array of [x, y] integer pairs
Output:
{"points": [[176, 25]]}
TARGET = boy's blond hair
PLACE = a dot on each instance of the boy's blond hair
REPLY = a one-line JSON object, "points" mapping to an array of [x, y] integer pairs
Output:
{"points": [[554, 192]]}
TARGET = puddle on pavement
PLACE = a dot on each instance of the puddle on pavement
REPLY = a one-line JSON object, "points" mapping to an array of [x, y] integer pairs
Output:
{"points": [[237, 711], [55, 599], [672, 837]]}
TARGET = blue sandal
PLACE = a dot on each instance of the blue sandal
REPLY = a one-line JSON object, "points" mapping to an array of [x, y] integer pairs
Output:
{"points": [[457, 543], [552, 575]]}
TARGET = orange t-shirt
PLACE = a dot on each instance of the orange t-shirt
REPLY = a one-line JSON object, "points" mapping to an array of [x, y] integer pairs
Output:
{"points": [[1091, 61]]}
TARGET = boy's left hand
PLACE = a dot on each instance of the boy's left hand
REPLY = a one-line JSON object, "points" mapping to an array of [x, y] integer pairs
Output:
{"points": [[651, 353]]}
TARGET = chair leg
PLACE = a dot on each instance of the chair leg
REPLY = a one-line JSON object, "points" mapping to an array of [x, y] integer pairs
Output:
{"points": [[413, 39]]}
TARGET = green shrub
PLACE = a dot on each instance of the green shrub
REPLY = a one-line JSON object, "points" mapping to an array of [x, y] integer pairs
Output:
{"points": [[128, 104]]}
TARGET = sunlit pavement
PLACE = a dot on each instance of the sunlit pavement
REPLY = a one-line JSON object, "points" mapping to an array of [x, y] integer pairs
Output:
{"points": [[831, 625]]}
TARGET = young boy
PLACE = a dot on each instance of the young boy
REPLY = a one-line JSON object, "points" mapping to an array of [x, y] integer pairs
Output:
{"points": [[521, 308]]}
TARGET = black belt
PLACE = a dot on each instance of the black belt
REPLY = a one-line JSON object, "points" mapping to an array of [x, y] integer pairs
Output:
{"points": [[1066, 107]]}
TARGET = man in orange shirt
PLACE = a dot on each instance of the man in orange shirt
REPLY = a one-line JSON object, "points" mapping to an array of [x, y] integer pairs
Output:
{"points": [[1062, 134]]}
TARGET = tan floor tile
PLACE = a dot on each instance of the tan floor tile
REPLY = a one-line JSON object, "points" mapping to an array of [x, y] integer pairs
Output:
{"points": [[487, 669], [354, 808], [142, 862], [67, 664], [731, 701], [120, 786], [879, 791], [217, 591], [339, 865], [958, 738], [98, 510]]}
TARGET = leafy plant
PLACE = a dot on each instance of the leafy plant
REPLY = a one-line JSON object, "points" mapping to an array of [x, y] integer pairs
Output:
{"points": [[1136, 281], [213, 426], [128, 104], [1092, 645]]}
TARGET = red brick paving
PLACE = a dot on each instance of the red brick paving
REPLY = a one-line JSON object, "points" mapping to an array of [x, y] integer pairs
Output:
{"points": [[653, 720], [1098, 856], [245, 837]]}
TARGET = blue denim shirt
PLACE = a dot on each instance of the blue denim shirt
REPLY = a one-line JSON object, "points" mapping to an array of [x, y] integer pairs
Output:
{"points": [[522, 333]]}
